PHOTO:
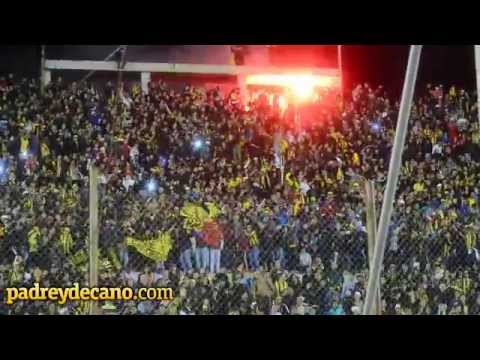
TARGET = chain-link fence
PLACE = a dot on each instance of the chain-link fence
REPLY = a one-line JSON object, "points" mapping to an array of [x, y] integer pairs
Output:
{"points": [[308, 256], [44, 239], [431, 262], [226, 258], [230, 235]]}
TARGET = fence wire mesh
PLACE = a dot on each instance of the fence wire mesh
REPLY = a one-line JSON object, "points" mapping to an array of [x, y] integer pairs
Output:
{"points": [[295, 256], [200, 203], [44, 234]]}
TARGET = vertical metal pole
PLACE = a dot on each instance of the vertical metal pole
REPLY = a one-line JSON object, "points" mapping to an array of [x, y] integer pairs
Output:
{"points": [[42, 71], [477, 72], [340, 68], [93, 238], [145, 78], [282, 169], [123, 49], [371, 232], [242, 85], [393, 173]]}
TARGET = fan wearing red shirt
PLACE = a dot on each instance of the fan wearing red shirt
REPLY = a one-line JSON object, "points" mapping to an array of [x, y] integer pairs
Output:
{"points": [[213, 237], [452, 133], [126, 150]]}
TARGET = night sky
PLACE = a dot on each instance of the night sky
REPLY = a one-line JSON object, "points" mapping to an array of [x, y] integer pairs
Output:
{"points": [[387, 65], [362, 63]]}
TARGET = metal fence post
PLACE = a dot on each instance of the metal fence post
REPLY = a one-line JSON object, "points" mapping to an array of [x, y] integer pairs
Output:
{"points": [[93, 237], [393, 175], [477, 73], [371, 231]]}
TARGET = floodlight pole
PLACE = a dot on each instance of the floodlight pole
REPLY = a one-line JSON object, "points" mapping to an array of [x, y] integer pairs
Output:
{"points": [[42, 70], [94, 234], [477, 72], [393, 174], [121, 65], [340, 68]]}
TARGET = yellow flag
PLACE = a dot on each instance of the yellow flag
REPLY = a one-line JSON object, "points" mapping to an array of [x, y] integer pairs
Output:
{"points": [[213, 210], [156, 249], [418, 187], [194, 216]]}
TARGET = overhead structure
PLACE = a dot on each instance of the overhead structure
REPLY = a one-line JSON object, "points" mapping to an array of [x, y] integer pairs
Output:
{"points": [[256, 63]]}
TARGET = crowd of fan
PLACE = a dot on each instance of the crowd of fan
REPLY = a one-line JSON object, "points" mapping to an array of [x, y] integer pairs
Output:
{"points": [[286, 184]]}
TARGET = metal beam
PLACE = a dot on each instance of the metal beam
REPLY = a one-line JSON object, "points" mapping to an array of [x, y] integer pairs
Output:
{"points": [[371, 231], [477, 72], [393, 174], [340, 67], [94, 234], [183, 68]]}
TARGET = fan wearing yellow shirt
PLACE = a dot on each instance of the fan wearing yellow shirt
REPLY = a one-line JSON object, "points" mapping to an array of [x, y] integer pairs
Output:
{"points": [[292, 182], [427, 133], [2, 231], [470, 237], [66, 240], [418, 187], [254, 252], [24, 143], [340, 176], [298, 205], [234, 183], [475, 136], [356, 159], [44, 150], [264, 178]]}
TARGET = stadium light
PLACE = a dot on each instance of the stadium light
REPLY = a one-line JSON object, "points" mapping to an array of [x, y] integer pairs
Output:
{"points": [[24, 155], [282, 103], [197, 144], [152, 185], [163, 160], [376, 127], [302, 86]]}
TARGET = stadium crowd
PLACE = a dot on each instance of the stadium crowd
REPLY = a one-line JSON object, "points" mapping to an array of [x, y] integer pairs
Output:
{"points": [[241, 208]]}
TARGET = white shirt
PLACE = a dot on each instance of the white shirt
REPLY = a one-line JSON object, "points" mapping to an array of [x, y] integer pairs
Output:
{"points": [[132, 276], [348, 283], [128, 182], [462, 123], [104, 179], [305, 259], [278, 162], [304, 187], [437, 149], [63, 311], [134, 153]]}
